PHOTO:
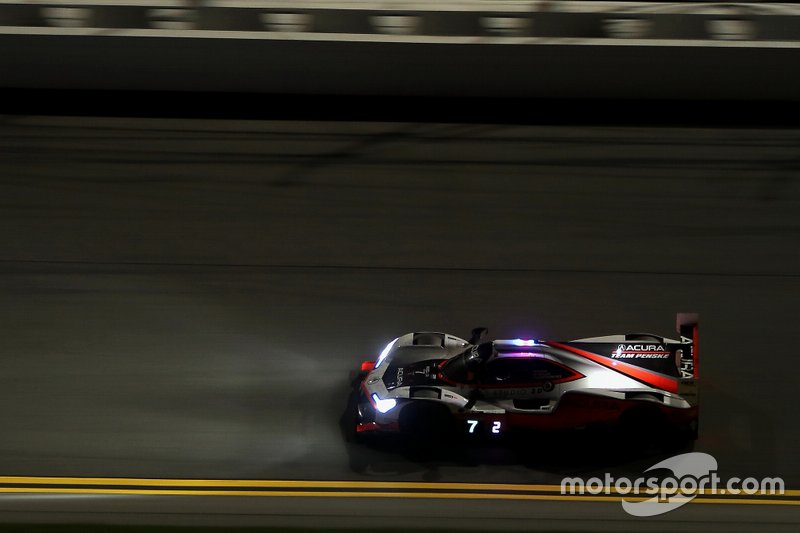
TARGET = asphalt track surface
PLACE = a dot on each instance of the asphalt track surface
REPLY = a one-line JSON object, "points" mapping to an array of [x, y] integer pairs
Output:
{"points": [[186, 299]]}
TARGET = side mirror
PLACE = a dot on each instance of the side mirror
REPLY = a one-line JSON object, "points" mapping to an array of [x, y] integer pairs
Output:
{"points": [[478, 335]]}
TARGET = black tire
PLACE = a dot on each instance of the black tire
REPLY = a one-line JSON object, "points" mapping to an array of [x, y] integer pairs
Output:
{"points": [[646, 425], [427, 425]]}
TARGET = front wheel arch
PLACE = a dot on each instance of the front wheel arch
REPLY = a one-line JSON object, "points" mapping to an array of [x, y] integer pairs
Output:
{"points": [[426, 419]]}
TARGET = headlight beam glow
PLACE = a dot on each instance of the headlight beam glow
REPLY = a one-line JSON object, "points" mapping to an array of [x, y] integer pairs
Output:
{"points": [[385, 405], [384, 353]]}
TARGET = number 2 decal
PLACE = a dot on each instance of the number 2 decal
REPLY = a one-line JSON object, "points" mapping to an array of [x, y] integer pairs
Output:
{"points": [[496, 427]]}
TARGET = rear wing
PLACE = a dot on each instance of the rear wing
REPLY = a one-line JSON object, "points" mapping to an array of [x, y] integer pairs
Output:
{"points": [[687, 325]]}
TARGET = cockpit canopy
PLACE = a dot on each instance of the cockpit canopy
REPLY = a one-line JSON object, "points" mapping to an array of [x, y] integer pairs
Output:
{"points": [[485, 365], [462, 367]]}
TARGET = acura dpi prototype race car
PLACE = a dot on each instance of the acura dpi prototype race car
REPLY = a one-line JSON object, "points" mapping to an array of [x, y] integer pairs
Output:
{"points": [[427, 382]]}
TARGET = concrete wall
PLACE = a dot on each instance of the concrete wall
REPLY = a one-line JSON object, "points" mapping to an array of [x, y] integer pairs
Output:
{"points": [[591, 69], [550, 49]]}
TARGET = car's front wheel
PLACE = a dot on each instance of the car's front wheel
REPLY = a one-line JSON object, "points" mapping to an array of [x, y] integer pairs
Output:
{"points": [[427, 424]]}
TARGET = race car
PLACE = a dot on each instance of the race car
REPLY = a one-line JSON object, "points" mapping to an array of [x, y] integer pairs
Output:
{"points": [[429, 382]]}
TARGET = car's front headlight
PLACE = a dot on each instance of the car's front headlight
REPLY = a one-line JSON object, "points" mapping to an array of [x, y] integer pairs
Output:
{"points": [[385, 405], [385, 352]]}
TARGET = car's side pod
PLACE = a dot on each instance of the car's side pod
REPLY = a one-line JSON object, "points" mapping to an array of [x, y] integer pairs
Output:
{"points": [[687, 325]]}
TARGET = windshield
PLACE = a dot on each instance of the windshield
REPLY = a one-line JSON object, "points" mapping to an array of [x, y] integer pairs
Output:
{"points": [[462, 367]]}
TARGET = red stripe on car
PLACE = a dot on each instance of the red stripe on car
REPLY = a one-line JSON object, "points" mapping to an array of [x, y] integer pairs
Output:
{"points": [[645, 376]]}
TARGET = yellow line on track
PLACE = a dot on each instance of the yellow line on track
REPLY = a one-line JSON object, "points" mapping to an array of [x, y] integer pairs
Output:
{"points": [[362, 494], [305, 484], [252, 483]]}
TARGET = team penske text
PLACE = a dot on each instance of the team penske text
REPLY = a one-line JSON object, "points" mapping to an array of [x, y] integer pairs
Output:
{"points": [[643, 355]]}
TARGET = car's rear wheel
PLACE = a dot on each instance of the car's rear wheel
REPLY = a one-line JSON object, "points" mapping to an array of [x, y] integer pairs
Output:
{"points": [[646, 425]]}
